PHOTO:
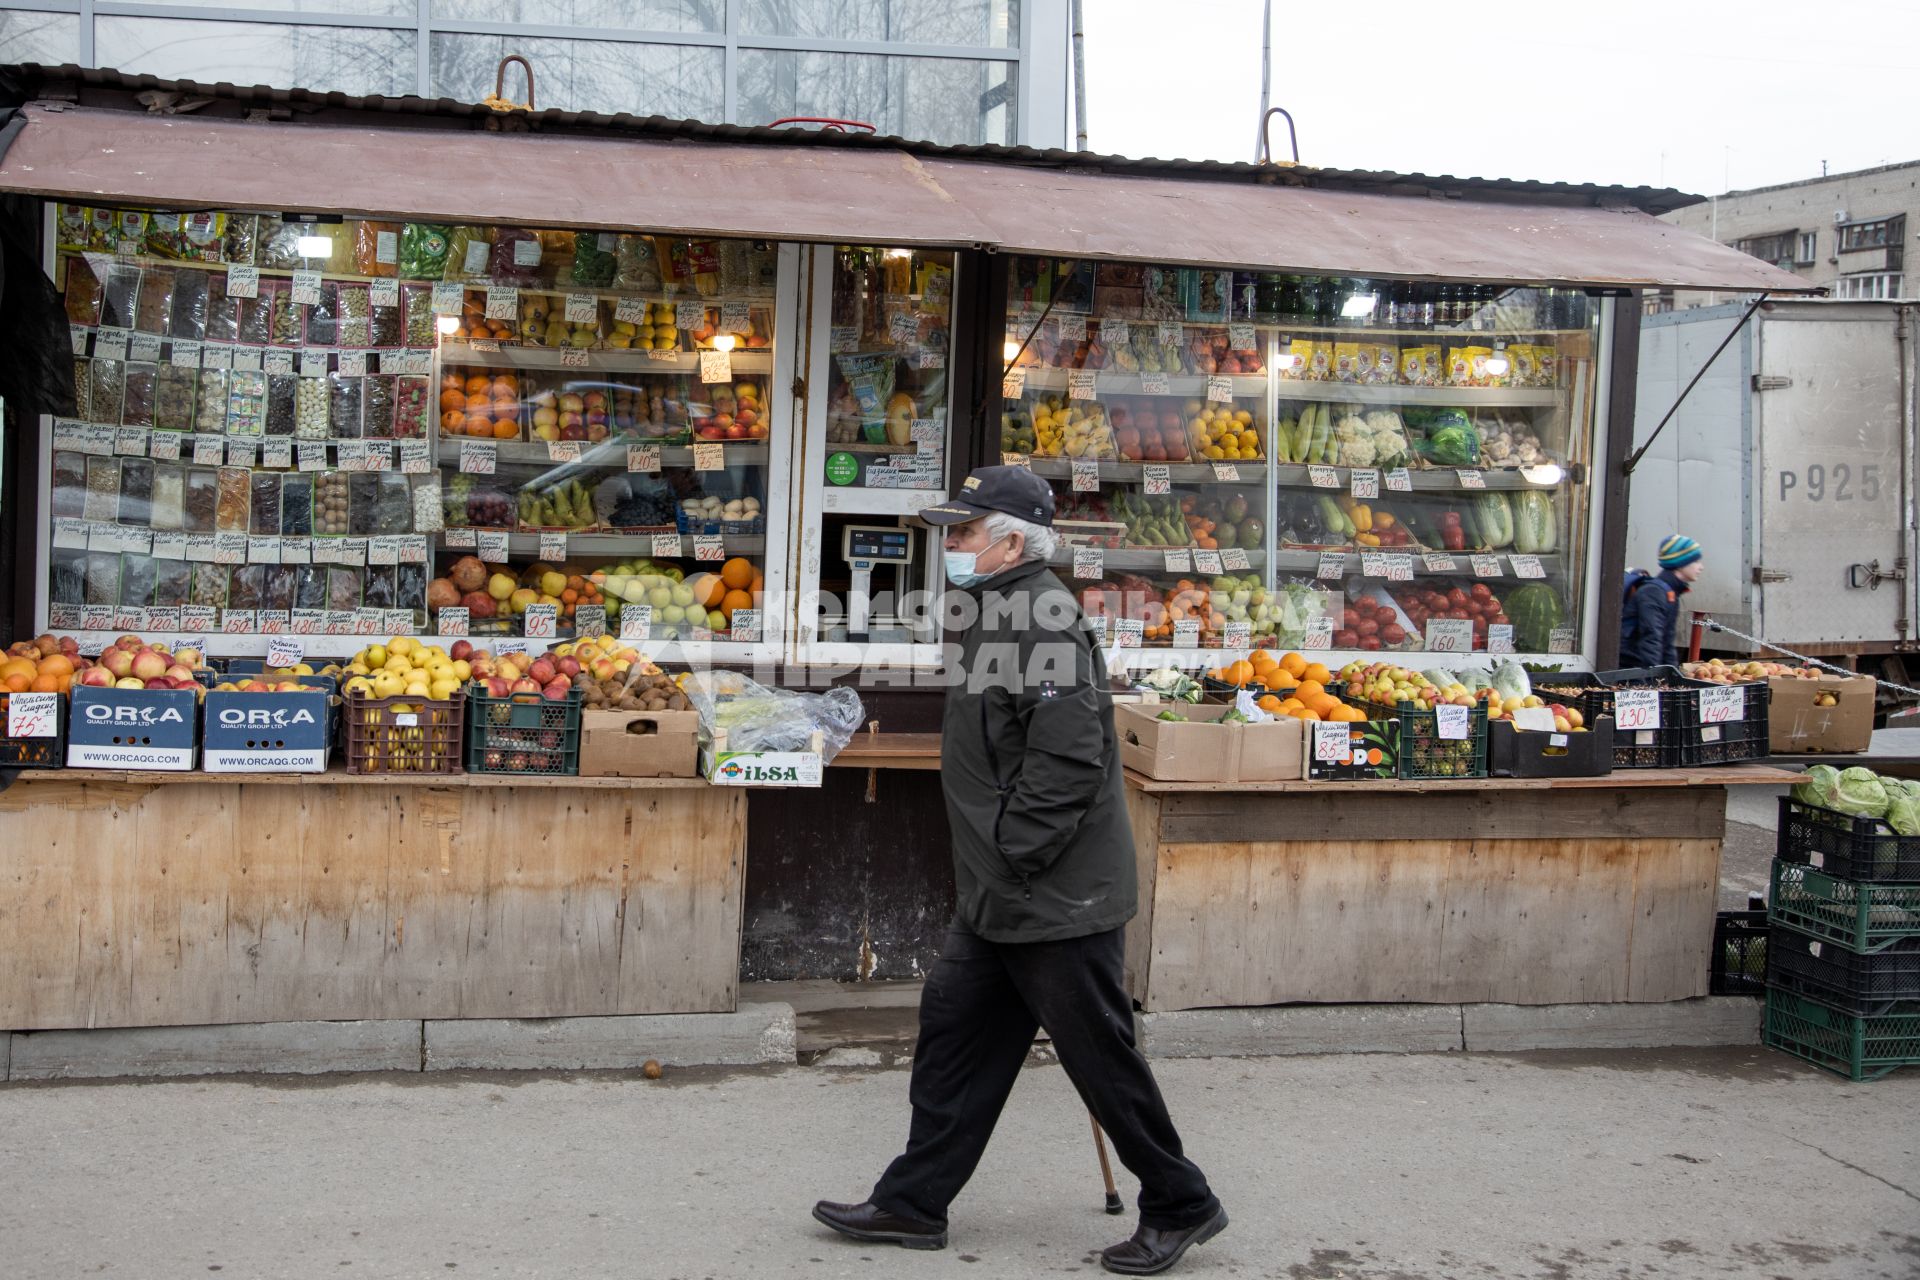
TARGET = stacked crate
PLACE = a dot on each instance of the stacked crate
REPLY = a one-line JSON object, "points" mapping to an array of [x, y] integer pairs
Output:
{"points": [[1843, 955]]}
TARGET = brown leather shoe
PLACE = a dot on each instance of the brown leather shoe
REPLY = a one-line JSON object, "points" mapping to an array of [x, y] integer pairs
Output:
{"points": [[870, 1222], [1152, 1250]]}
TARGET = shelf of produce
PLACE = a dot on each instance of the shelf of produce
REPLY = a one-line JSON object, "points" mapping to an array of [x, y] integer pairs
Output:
{"points": [[1152, 559], [1250, 473], [1429, 480], [1307, 560], [1727, 775], [1395, 394], [604, 543], [1119, 383], [462, 354], [605, 453]]}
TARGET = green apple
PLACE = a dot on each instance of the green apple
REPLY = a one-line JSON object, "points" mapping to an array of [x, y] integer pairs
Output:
{"points": [[716, 621], [672, 613], [661, 598], [682, 595]]}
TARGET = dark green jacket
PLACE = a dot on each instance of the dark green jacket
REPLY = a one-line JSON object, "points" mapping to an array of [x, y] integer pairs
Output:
{"points": [[1042, 849]]}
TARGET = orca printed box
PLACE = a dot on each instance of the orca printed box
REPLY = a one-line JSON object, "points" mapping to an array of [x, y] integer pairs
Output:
{"points": [[289, 732], [133, 728]]}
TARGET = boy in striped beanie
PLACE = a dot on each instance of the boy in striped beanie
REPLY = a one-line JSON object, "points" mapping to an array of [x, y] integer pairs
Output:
{"points": [[1651, 604]]}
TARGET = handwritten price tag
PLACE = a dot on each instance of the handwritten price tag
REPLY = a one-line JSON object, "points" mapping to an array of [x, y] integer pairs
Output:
{"points": [[503, 302], [1364, 482], [1208, 562], [1169, 333], [1013, 384], [1485, 566], [1319, 633], [453, 621], [414, 458], [553, 546], [589, 620], [643, 457], [541, 621], [1237, 635], [709, 457], [1722, 704], [491, 547], [1088, 562], [1526, 566], [1449, 635], [33, 715], [745, 626], [709, 547], [1070, 327], [306, 288], [1226, 472], [1500, 637], [666, 546], [1234, 560], [1471, 479], [1178, 560], [1080, 384], [447, 297], [243, 282], [184, 354], [716, 366], [1220, 390], [477, 457], [385, 291], [1155, 384], [1157, 478], [1186, 633], [1114, 332], [1086, 475], [1332, 566], [1452, 720], [1636, 709], [1323, 477], [1436, 562], [636, 622], [563, 451], [1240, 337], [284, 651], [1560, 640], [1332, 744], [1128, 633]]}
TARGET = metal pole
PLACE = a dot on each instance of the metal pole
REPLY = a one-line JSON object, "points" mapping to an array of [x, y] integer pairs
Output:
{"points": [[1266, 79], [1634, 460], [1079, 80]]}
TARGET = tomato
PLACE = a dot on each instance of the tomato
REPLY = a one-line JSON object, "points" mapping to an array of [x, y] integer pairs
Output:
{"points": [[1345, 639], [1393, 633], [1368, 628], [1481, 591], [1457, 598], [1501, 620], [1369, 642]]}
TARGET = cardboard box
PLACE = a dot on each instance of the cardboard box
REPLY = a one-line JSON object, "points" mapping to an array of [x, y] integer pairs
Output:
{"points": [[762, 768], [268, 732], [133, 729], [1353, 751], [1200, 749], [639, 744], [1795, 724]]}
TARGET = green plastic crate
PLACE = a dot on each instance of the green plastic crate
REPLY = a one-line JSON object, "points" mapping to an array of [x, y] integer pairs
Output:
{"points": [[1863, 917], [1859, 1048], [1423, 753], [523, 733]]}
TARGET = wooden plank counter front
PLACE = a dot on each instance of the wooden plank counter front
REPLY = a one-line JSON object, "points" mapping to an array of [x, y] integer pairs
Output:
{"points": [[1464, 891], [154, 899]]}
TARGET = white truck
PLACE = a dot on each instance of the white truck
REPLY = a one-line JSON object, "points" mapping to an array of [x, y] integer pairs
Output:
{"points": [[1792, 464]]}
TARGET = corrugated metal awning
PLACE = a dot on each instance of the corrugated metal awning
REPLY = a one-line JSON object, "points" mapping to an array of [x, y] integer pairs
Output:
{"points": [[860, 194]]}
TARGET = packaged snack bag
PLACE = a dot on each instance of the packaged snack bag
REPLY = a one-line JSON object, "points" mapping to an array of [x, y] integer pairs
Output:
{"points": [[1346, 362], [423, 250], [376, 248]]}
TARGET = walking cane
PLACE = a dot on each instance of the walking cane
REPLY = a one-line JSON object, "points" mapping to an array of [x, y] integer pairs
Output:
{"points": [[1106, 1170]]}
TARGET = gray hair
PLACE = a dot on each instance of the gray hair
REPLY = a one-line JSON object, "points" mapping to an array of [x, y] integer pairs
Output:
{"points": [[1038, 542]]}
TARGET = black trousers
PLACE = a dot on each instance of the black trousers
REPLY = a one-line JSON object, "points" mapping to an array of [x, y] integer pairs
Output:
{"points": [[979, 1010]]}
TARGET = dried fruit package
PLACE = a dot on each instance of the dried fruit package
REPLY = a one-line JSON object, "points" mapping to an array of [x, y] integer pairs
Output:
{"points": [[296, 506], [356, 312], [202, 502], [343, 590], [174, 398], [635, 265], [106, 386], [210, 415], [169, 496], [69, 484], [310, 587], [376, 248], [595, 258], [103, 578], [70, 227], [468, 250], [83, 292], [323, 317], [209, 585], [136, 491], [283, 413], [515, 257], [344, 395], [103, 489], [171, 581], [235, 491], [377, 406], [423, 250], [119, 294], [155, 306], [264, 504], [189, 319], [137, 409]]}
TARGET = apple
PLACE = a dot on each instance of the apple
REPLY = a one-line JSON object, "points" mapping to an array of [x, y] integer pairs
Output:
{"points": [[129, 643], [542, 670], [556, 691], [119, 661], [148, 665], [523, 685], [129, 682], [568, 666], [178, 672], [500, 586], [603, 669], [97, 677], [189, 658]]}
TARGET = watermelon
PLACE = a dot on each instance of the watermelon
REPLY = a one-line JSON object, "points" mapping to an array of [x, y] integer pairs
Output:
{"points": [[1535, 610]]}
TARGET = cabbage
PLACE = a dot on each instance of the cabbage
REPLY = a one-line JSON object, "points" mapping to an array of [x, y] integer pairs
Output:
{"points": [[1510, 681], [1903, 815], [1817, 787], [1858, 792]]}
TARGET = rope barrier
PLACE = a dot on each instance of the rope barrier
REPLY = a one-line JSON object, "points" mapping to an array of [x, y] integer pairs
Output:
{"points": [[1711, 625]]}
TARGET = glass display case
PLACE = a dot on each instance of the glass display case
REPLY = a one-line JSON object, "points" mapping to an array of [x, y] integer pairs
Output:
{"points": [[1253, 460], [351, 427]]}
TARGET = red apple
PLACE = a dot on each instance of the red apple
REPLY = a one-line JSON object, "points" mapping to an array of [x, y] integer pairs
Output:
{"points": [[542, 670], [149, 665], [523, 685], [119, 661], [461, 651], [555, 692], [568, 666], [97, 677]]}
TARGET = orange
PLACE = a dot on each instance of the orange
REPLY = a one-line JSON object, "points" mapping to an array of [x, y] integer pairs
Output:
{"points": [[452, 421], [1295, 665], [735, 600], [1318, 672], [16, 683], [737, 573], [1308, 690], [1324, 703], [505, 429], [477, 402], [1239, 672], [1283, 679], [45, 682], [453, 398], [757, 585], [1270, 703], [708, 590], [1306, 715], [477, 384], [18, 667]]}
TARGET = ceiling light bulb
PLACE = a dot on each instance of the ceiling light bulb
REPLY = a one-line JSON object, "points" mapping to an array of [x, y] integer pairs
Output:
{"points": [[447, 324], [1497, 365], [1358, 305], [723, 341], [1009, 351], [314, 247]]}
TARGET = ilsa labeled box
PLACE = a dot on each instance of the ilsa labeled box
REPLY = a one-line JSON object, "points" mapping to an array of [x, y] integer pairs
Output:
{"points": [[133, 728], [1831, 713], [724, 767], [1198, 747]]}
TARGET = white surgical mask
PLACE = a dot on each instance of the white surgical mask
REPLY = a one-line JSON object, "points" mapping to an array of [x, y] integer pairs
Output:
{"points": [[963, 567]]}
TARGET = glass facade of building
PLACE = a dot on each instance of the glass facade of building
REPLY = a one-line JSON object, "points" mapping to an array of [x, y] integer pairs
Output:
{"points": [[951, 71]]}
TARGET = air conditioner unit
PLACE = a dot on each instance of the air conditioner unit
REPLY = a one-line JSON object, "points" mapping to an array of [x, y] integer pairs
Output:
{"points": [[1839, 217]]}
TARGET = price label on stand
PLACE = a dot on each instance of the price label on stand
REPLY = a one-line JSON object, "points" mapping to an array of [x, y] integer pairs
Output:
{"points": [[458, 539], [197, 619], [385, 291], [239, 622], [1399, 566], [353, 364], [553, 546], [1332, 566], [1471, 479], [636, 622], [1155, 384], [453, 621], [246, 359], [1722, 704], [589, 620], [1240, 337], [1237, 635], [284, 651], [276, 453], [666, 546], [1485, 566], [1086, 475], [169, 544], [1128, 633], [209, 451], [1449, 635], [144, 347], [1155, 477], [447, 298], [33, 715], [130, 442], [1560, 640], [413, 548], [1500, 637], [272, 361], [1373, 564], [1323, 477], [1526, 566], [353, 455], [164, 446], [312, 455], [929, 436], [243, 453], [307, 622], [110, 344], [1169, 333], [1186, 633], [709, 547], [243, 282], [1013, 384], [1235, 560], [716, 366], [1635, 709], [563, 451], [1364, 482], [491, 547], [263, 549], [477, 457], [1208, 562], [574, 358], [1178, 560], [69, 434], [1088, 562], [1332, 743], [99, 439], [1452, 721], [314, 364], [216, 355], [353, 551], [1114, 332], [184, 354], [96, 617], [582, 308], [643, 458], [70, 533], [745, 626], [296, 550], [1226, 472], [1319, 633], [1080, 384], [1070, 327], [306, 288], [541, 621], [200, 548], [709, 457], [503, 302], [629, 310], [229, 548], [1220, 390], [1438, 562], [164, 618], [77, 335], [415, 458], [383, 549]]}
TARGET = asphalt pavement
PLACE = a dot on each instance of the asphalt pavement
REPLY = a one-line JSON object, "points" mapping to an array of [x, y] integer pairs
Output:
{"points": [[1556, 1166]]}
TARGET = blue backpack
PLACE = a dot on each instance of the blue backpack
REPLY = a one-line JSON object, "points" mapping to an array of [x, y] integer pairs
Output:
{"points": [[1636, 579]]}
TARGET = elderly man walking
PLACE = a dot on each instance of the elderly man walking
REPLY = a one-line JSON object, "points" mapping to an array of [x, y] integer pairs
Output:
{"points": [[1043, 863]]}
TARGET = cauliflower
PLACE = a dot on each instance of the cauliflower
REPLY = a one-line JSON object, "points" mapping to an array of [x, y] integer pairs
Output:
{"points": [[1356, 453]]}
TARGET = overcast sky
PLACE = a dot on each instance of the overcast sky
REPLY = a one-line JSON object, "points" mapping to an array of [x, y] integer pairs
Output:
{"points": [[1701, 96]]}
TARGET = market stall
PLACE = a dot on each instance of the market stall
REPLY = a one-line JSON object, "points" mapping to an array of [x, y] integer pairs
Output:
{"points": [[324, 398]]}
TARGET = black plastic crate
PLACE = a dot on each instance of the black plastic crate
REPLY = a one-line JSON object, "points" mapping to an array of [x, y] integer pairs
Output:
{"points": [[1516, 753], [1866, 917], [1869, 985], [42, 751], [1671, 746], [1859, 1048], [1422, 753], [1739, 957], [523, 733], [1842, 845]]}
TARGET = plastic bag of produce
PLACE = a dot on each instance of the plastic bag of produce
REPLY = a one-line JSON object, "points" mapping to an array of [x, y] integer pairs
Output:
{"points": [[594, 260], [1510, 681], [1818, 786], [758, 717], [1858, 792]]}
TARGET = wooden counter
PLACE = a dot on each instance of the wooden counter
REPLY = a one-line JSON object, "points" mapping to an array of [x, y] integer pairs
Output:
{"points": [[149, 899], [1459, 891]]}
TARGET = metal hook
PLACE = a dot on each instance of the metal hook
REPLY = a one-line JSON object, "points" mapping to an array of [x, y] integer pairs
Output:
{"points": [[499, 101], [1266, 136]]}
